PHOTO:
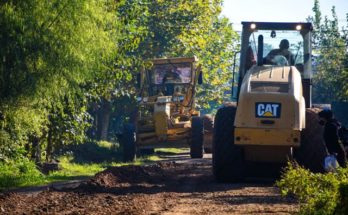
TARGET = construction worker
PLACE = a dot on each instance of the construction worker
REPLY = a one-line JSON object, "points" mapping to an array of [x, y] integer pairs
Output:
{"points": [[171, 77], [282, 51], [331, 136]]}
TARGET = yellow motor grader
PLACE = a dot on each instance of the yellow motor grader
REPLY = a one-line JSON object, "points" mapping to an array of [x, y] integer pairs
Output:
{"points": [[166, 115], [268, 123]]}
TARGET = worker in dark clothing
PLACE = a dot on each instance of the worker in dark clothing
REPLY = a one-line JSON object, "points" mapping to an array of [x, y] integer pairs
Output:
{"points": [[344, 138], [331, 136], [282, 51]]}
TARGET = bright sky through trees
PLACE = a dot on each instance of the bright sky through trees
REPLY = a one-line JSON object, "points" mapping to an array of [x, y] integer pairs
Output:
{"points": [[279, 10]]}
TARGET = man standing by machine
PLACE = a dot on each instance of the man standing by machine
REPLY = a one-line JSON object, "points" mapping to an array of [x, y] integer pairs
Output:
{"points": [[331, 136]]}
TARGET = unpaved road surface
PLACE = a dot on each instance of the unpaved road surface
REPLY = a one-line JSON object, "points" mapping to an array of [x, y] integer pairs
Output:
{"points": [[171, 187]]}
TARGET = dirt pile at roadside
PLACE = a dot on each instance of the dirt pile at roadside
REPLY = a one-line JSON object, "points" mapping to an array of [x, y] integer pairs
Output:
{"points": [[125, 175]]}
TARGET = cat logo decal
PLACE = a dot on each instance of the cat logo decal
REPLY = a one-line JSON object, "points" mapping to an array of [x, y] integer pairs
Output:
{"points": [[267, 110]]}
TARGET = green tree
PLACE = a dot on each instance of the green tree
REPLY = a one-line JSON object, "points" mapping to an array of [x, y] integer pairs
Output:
{"points": [[215, 49], [49, 50], [330, 49]]}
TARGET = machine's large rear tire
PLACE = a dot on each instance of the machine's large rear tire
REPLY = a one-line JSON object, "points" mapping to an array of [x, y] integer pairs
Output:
{"points": [[228, 159], [196, 147], [312, 152], [128, 142]]}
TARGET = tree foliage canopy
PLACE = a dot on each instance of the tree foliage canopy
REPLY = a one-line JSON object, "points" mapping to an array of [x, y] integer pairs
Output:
{"points": [[330, 81]]}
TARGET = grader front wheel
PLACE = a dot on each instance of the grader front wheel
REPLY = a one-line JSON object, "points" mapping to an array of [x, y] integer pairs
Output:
{"points": [[196, 147]]}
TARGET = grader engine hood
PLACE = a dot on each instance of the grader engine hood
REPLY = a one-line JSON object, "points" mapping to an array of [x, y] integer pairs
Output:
{"points": [[271, 104]]}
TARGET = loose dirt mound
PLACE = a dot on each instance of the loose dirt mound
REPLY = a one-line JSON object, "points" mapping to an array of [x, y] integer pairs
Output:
{"points": [[116, 176], [312, 152]]}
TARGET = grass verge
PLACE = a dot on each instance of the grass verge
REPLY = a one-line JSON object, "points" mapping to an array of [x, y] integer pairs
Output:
{"points": [[81, 162], [20, 173]]}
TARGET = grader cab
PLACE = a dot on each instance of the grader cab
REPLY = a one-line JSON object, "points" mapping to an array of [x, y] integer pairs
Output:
{"points": [[268, 123], [166, 116]]}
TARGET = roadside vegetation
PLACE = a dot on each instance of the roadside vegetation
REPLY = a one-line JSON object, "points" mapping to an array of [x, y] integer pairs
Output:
{"points": [[80, 162], [317, 193]]}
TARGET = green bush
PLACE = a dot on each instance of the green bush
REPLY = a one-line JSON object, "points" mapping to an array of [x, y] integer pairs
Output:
{"points": [[18, 124], [342, 207], [19, 173], [94, 152], [5, 146], [317, 193]]}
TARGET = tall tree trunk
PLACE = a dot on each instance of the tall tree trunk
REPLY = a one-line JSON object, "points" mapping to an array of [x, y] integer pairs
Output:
{"points": [[49, 148], [33, 148], [103, 118]]}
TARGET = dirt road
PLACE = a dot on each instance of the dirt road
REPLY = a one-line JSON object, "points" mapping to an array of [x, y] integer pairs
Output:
{"points": [[171, 187]]}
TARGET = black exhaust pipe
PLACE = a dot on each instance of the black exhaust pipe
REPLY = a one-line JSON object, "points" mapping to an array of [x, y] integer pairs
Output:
{"points": [[260, 50]]}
